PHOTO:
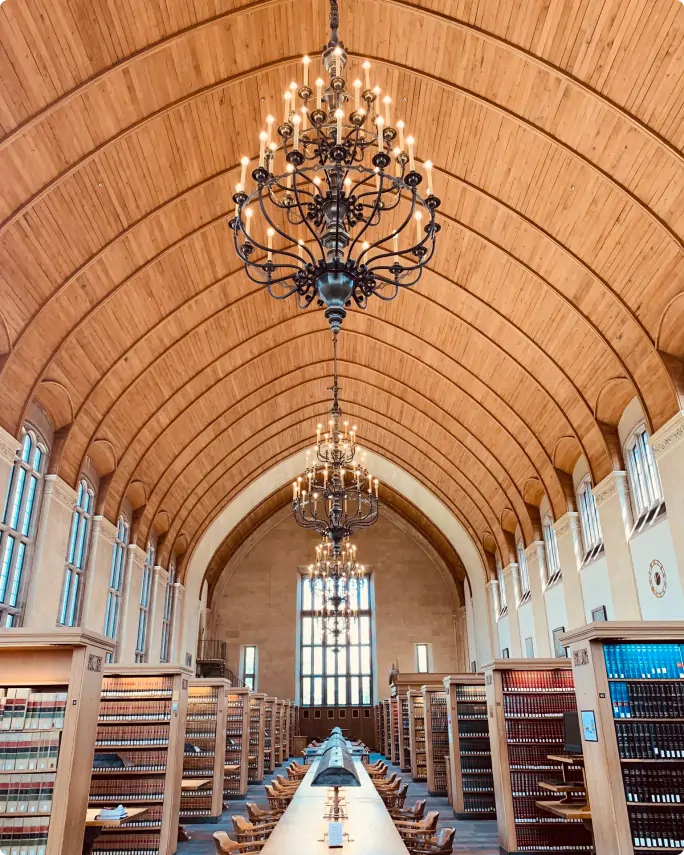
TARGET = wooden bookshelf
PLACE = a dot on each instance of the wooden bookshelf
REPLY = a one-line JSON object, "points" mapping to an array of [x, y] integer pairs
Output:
{"points": [[470, 757], [387, 728], [203, 756], [294, 732], [416, 709], [49, 698], [401, 682], [525, 703], [237, 743], [436, 738], [287, 705], [629, 675], [269, 740], [277, 731], [378, 727], [142, 725], [394, 730], [257, 715], [404, 735]]}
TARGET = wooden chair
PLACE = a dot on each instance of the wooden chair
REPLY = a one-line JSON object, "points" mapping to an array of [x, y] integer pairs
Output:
{"points": [[393, 787], [414, 814], [395, 800], [225, 844], [412, 832], [258, 814], [441, 844], [286, 784], [277, 801], [248, 832]]}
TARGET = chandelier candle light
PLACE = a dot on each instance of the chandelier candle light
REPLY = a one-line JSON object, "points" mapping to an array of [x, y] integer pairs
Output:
{"points": [[337, 211], [336, 496]]}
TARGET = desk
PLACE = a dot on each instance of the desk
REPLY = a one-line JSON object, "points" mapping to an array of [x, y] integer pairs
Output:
{"points": [[94, 826], [301, 828]]}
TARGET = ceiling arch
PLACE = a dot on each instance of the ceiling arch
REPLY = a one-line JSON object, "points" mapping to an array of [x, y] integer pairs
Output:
{"points": [[560, 165]]}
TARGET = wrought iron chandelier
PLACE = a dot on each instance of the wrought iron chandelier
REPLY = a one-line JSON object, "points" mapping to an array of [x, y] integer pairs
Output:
{"points": [[336, 496], [334, 213], [334, 574]]}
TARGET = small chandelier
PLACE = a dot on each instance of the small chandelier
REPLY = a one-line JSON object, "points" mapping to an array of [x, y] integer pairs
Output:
{"points": [[334, 575], [335, 213], [336, 496]]}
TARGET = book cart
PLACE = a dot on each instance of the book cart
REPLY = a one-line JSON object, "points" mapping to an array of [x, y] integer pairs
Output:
{"points": [[472, 783], [404, 735], [416, 710], [526, 699], [236, 755], [269, 753], [203, 763], [394, 731], [436, 738], [629, 684], [139, 755], [50, 686], [257, 720], [387, 729]]}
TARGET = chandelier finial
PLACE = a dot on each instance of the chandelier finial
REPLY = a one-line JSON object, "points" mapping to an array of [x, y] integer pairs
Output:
{"points": [[335, 386], [334, 23]]}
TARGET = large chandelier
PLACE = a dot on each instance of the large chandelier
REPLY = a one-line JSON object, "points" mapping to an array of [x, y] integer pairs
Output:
{"points": [[334, 213], [334, 575], [336, 496]]}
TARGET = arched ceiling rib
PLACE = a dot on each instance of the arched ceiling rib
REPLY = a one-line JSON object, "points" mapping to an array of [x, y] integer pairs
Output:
{"points": [[559, 165]]}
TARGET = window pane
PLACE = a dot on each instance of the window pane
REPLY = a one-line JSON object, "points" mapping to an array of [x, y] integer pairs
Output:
{"points": [[330, 661], [365, 630], [365, 690], [28, 510], [354, 685], [354, 631], [249, 660], [364, 598], [330, 694], [317, 632], [306, 660], [365, 659], [306, 595], [306, 691], [318, 691], [354, 662], [307, 630], [342, 661], [318, 660], [14, 518], [421, 651], [341, 691]]}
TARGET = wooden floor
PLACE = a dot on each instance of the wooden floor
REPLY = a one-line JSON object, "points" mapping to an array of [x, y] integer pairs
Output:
{"points": [[472, 838]]}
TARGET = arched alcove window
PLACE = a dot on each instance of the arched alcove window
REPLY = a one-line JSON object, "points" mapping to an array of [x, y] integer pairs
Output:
{"points": [[78, 549], [503, 603], [589, 520], [330, 677], [117, 575], [553, 569], [18, 525], [167, 617], [644, 480], [523, 573], [141, 638]]}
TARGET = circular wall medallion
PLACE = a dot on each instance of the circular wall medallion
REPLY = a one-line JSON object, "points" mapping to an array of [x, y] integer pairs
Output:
{"points": [[657, 578]]}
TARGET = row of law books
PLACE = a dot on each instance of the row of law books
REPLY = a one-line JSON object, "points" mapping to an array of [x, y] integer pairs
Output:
{"points": [[121, 790], [152, 734], [24, 709], [23, 835], [123, 711], [29, 751], [137, 687], [26, 794]]}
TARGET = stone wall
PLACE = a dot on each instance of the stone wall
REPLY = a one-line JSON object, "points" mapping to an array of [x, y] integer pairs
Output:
{"points": [[255, 602]]}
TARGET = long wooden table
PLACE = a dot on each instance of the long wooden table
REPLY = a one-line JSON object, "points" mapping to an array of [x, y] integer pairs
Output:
{"points": [[302, 827]]}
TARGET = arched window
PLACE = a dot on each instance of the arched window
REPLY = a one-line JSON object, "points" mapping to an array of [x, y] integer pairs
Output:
{"points": [[78, 548], [503, 603], [18, 525], [167, 617], [117, 573], [332, 677], [644, 481], [589, 520], [553, 568], [523, 573], [141, 640]]}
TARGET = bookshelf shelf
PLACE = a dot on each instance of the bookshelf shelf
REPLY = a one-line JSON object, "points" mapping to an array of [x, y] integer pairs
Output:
{"points": [[528, 817], [472, 783], [54, 679], [269, 737], [236, 744], [142, 741], [394, 730], [416, 709], [629, 675], [436, 738], [404, 734], [387, 729], [257, 713]]}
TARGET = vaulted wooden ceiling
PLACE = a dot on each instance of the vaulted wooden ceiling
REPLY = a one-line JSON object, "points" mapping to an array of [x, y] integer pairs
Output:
{"points": [[555, 297]]}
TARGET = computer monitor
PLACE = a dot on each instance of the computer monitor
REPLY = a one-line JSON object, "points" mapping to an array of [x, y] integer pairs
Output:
{"points": [[571, 733]]}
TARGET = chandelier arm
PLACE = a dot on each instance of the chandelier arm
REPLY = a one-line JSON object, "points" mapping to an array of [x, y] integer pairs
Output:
{"points": [[297, 191], [376, 208]]}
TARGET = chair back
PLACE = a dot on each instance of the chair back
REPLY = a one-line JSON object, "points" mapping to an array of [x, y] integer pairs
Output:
{"points": [[241, 825], [445, 841], [429, 823], [223, 843], [418, 809]]}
